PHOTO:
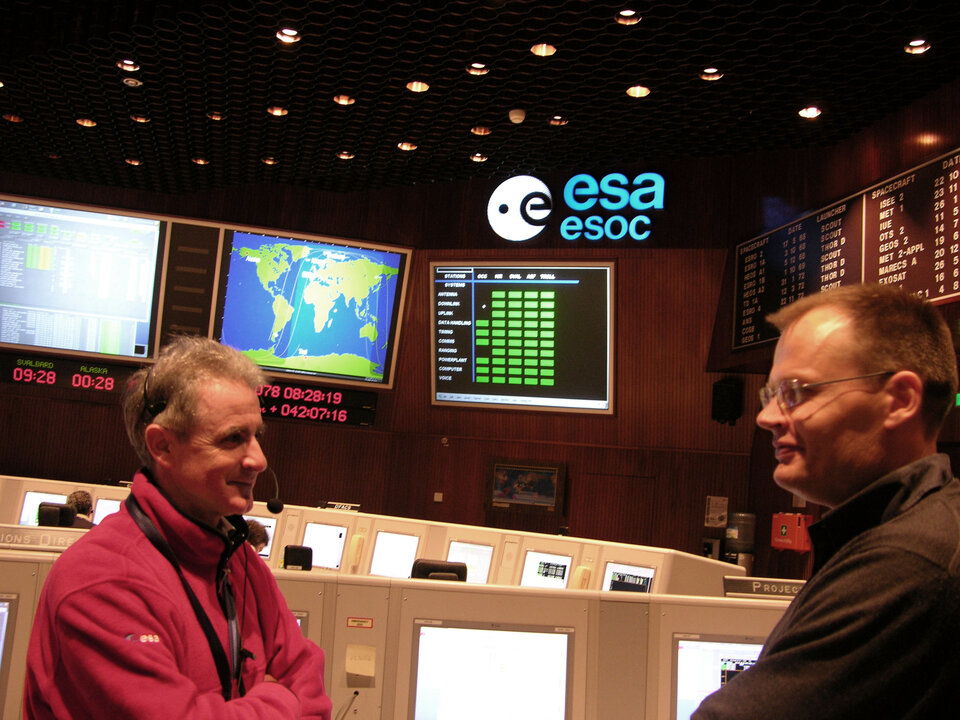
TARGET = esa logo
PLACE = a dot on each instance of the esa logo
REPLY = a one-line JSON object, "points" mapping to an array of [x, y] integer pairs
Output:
{"points": [[520, 207]]}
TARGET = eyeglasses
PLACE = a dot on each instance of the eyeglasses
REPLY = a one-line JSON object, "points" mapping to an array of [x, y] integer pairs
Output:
{"points": [[790, 393]]}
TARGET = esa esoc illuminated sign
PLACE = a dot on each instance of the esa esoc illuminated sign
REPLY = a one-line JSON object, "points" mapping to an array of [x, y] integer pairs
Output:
{"points": [[613, 208]]}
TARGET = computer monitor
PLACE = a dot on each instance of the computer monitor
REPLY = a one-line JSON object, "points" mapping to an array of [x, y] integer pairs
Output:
{"points": [[477, 557], [270, 525], [627, 578], [490, 670], [8, 623], [302, 617], [327, 542], [547, 570], [104, 507], [702, 664], [393, 554], [30, 507]]}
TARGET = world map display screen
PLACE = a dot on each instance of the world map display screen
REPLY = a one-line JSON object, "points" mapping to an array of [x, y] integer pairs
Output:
{"points": [[312, 308]]}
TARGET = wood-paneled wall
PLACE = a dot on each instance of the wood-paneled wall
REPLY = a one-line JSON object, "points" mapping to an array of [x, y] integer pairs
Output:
{"points": [[639, 476]]}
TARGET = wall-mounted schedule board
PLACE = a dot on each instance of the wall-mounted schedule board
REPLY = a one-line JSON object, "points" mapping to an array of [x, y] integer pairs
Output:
{"points": [[904, 231]]}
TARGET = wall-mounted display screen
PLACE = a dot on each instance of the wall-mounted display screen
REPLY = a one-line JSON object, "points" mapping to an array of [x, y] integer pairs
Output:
{"points": [[490, 670], [536, 336], [79, 281], [320, 307], [327, 542], [704, 664]]}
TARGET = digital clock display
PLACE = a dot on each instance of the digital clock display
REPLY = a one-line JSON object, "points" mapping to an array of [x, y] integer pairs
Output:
{"points": [[63, 373], [317, 404]]}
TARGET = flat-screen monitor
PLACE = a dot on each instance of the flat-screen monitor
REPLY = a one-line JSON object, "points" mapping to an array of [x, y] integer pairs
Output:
{"points": [[702, 664], [302, 617], [627, 578], [535, 336], [327, 542], [8, 622], [31, 504], [477, 557], [79, 281], [464, 669], [546, 570], [270, 525], [104, 507], [393, 554], [321, 308]]}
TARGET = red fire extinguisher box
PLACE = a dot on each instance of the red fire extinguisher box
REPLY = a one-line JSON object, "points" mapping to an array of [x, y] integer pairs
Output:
{"points": [[789, 531]]}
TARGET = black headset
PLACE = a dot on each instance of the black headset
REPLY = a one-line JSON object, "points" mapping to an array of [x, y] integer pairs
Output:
{"points": [[151, 409]]}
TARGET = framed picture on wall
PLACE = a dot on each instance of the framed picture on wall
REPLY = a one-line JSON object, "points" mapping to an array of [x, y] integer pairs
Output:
{"points": [[527, 485]]}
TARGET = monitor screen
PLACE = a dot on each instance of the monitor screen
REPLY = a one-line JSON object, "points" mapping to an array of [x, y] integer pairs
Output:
{"points": [[80, 281], [270, 525], [393, 554], [476, 556], [536, 336], [490, 670], [31, 505], [301, 617], [327, 542], [323, 308], [8, 623], [702, 664], [547, 570], [628, 578], [104, 507]]}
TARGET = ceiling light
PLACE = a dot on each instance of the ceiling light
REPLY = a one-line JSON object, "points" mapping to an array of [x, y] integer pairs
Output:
{"points": [[53, 156], [199, 161], [10, 117], [127, 65], [543, 49], [140, 118], [277, 111], [711, 74], [517, 116], [343, 100], [916, 47], [810, 112], [269, 160], [478, 68], [480, 130], [132, 82], [345, 155], [132, 161], [407, 146], [638, 91], [86, 122], [417, 86], [928, 139], [215, 116], [478, 157], [288, 36], [1, 83], [558, 120], [628, 17]]}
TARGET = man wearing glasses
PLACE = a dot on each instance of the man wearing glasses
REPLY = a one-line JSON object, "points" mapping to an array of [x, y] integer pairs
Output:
{"points": [[862, 379]]}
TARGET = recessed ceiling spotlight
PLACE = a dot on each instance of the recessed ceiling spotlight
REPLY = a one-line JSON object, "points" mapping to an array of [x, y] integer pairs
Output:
{"points": [[288, 35], [140, 119], [558, 120], [478, 68], [810, 112], [478, 157], [407, 146], [480, 130], [10, 117], [53, 156], [1, 83], [711, 74], [543, 49], [199, 161], [638, 91], [517, 116], [269, 160], [916, 47], [215, 116], [345, 155], [127, 65], [417, 86], [132, 82], [277, 111], [132, 161], [86, 122], [343, 100], [628, 17]]}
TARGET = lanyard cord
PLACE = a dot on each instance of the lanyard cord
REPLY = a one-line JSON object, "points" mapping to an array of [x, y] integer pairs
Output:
{"points": [[226, 597]]}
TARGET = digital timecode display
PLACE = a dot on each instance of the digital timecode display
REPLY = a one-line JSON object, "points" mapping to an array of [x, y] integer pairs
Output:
{"points": [[317, 404], [47, 372]]}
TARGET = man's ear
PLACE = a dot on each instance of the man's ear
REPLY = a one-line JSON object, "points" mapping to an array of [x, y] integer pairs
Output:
{"points": [[904, 390], [158, 440]]}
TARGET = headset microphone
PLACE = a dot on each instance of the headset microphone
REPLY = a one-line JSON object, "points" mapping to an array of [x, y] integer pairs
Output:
{"points": [[275, 504]]}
